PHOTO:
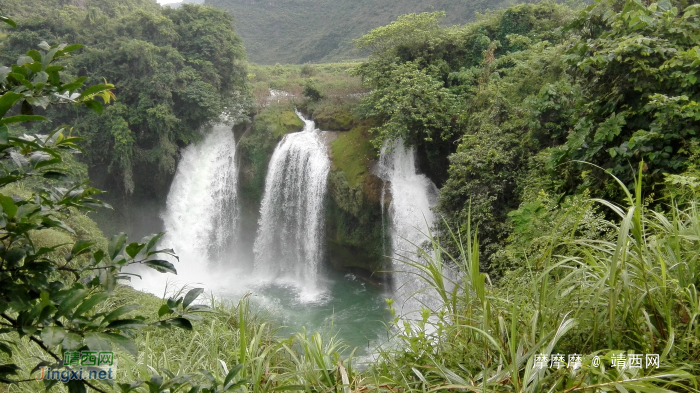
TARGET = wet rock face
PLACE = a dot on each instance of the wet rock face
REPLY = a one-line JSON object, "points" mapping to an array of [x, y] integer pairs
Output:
{"points": [[355, 236]]}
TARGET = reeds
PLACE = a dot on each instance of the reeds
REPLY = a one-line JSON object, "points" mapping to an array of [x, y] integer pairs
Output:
{"points": [[634, 295]]}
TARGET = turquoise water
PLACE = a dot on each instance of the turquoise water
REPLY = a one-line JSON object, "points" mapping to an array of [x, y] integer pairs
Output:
{"points": [[353, 310]]}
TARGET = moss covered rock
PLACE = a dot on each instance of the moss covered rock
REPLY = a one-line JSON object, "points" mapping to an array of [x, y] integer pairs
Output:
{"points": [[287, 121], [341, 120], [355, 234], [353, 154]]}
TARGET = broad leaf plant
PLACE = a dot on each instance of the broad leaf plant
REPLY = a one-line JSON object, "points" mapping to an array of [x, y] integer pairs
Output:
{"points": [[51, 302]]}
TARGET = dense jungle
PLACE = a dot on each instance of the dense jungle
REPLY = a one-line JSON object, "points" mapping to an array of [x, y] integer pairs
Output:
{"points": [[335, 197]]}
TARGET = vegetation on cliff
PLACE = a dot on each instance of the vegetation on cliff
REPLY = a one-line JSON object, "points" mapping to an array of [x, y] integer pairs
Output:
{"points": [[174, 72], [502, 108]]}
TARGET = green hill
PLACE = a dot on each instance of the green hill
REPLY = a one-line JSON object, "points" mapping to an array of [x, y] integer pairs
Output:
{"points": [[301, 31], [21, 9]]}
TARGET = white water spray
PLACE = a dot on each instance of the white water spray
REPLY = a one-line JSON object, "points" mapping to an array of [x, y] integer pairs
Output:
{"points": [[289, 243], [201, 212], [412, 197]]}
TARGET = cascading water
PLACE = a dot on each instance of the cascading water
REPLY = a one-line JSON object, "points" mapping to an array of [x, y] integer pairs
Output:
{"points": [[201, 221], [289, 243], [201, 212], [201, 205], [412, 196]]}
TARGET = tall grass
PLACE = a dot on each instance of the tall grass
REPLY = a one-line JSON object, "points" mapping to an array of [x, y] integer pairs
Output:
{"points": [[633, 293], [636, 294]]}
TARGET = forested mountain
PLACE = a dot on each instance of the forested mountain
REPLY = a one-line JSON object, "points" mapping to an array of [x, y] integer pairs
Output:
{"points": [[301, 31]]}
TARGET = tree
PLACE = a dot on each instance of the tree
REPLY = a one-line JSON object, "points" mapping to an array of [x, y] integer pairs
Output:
{"points": [[311, 92], [638, 69], [51, 301], [175, 71]]}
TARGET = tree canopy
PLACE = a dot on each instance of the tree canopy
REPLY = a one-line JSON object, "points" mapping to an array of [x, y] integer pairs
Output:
{"points": [[518, 98], [174, 70]]}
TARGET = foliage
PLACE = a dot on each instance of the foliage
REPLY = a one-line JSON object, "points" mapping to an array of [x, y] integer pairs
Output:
{"points": [[632, 292], [637, 68], [412, 103], [311, 92], [47, 300], [477, 101], [614, 85], [406, 30], [332, 81], [175, 71]]}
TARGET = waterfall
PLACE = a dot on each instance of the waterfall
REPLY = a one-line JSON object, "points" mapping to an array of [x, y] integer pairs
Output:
{"points": [[412, 197], [200, 216], [201, 209], [289, 242]]}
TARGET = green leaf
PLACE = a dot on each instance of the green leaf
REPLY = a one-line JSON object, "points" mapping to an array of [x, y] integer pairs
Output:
{"points": [[42, 101], [50, 162], [54, 68], [5, 348], [191, 296], [8, 21], [8, 206], [181, 323], [24, 60], [14, 256], [8, 369], [97, 341], [76, 386], [161, 266], [116, 243], [153, 240], [133, 249], [52, 335], [94, 89], [124, 343], [71, 48], [70, 301], [164, 309], [89, 303], [54, 175], [73, 86], [207, 374], [4, 134], [72, 341], [126, 324], [7, 100], [120, 311], [81, 247], [21, 118], [232, 373], [94, 105]]}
